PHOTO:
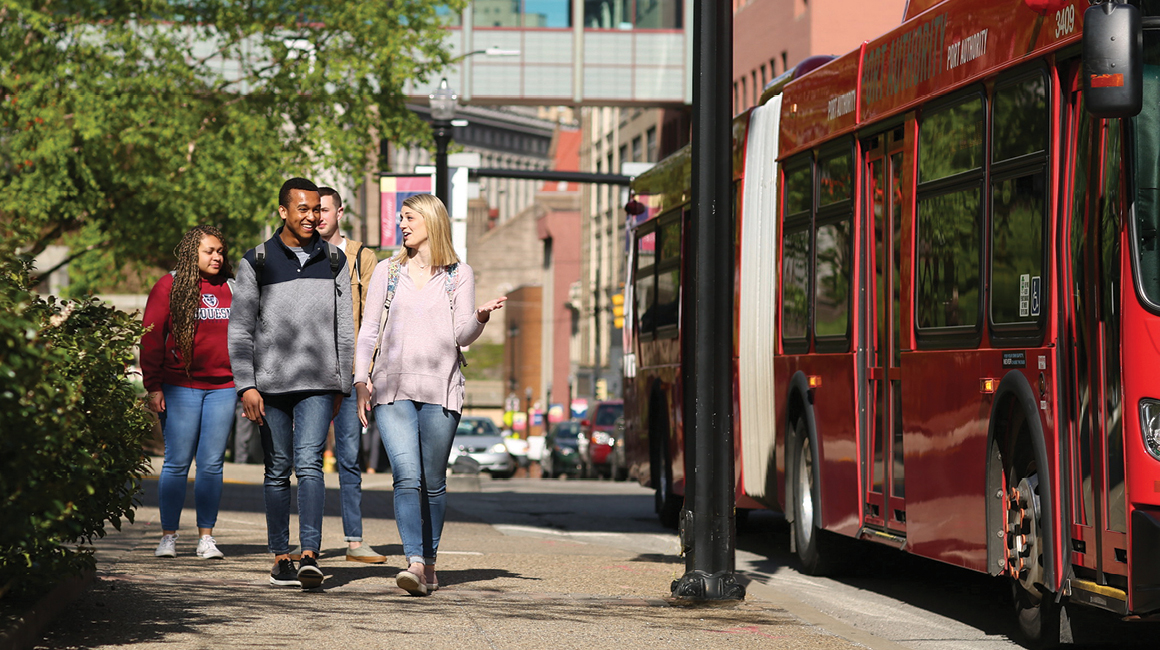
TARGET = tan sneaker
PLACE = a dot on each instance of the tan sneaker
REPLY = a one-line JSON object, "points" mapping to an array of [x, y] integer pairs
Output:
{"points": [[365, 554]]}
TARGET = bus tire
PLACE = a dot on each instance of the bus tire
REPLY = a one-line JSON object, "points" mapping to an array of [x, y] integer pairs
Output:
{"points": [[1040, 614], [815, 547]]}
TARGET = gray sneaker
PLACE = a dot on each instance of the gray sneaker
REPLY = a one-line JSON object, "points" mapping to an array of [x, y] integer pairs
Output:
{"points": [[167, 547], [365, 554]]}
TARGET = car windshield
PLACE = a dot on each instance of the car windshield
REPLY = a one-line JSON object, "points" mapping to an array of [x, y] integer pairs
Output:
{"points": [[566, 433], [476, 427], [606, 414]]}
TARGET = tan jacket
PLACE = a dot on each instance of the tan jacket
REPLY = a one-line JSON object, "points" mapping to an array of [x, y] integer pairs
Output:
{"points": [[360, 277]]}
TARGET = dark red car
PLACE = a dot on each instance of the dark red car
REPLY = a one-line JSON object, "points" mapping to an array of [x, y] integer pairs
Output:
{"points": [[600, 431]]}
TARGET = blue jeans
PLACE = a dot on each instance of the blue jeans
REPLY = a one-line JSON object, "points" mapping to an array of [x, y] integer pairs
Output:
{"points": [[418, 438], [293, 438], [195, 422], [347, 441]]}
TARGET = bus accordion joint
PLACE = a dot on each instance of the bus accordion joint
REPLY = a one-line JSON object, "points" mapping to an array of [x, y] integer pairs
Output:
{"points": [[987, 385], [814, 381]]}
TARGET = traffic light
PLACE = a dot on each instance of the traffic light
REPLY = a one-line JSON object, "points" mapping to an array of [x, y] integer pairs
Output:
{"points": [[618, 310]]}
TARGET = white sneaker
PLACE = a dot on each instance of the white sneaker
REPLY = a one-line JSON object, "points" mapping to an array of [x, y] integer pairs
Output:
{"points": [[167, 547], [207, 548]]}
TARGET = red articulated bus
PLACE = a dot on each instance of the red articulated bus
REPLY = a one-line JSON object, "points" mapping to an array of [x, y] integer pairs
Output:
{"points": [[947, 314]]}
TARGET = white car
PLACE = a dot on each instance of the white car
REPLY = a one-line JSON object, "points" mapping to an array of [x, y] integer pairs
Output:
{"points": [[479, 439]]}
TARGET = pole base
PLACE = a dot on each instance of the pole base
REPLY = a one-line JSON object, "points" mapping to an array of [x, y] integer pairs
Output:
{"points": [[699, 585]]}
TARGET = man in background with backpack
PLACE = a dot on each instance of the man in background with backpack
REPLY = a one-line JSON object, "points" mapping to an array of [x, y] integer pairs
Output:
{"points": [[291, 341], [347, 429]]}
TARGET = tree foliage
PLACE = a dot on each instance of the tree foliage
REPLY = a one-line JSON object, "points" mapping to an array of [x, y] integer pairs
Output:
{"points": [[71, 430], [133, 120]]}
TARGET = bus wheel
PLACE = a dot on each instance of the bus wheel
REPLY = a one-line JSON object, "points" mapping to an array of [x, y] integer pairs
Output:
{"points": [[816, 548], [1041, 616], [668, 503]]}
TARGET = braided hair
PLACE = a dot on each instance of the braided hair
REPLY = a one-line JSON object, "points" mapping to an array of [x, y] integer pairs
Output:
{"points": [[185, 295]]}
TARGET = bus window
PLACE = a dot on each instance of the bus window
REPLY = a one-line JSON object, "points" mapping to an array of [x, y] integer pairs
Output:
{"points": [[1018, 202], [798, 191], [833, 267], [1021, 118], [795, 287], [645, 289], [951, 140], [1146, 129], [832, 282], [948, 260], [668, 276], [949, 234], [834, 177]]}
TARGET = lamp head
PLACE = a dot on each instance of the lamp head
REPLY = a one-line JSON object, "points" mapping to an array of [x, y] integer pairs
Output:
{"points": [[444, 101]]}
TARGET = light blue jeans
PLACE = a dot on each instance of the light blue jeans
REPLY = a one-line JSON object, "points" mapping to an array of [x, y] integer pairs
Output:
{"points": [[418, 438], [293, 438], [196, 423], [347, 442]]}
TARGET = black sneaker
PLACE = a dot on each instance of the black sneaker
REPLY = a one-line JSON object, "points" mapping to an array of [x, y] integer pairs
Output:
{"points": [[284, 574], [309, 575]]}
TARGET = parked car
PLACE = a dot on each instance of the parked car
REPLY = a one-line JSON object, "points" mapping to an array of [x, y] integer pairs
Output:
{"points": [[599, 430], [479, 439], [561, 455]]}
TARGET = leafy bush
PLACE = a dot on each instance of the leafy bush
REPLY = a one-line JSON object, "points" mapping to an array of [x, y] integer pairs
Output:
{"points": [[71, 429]]}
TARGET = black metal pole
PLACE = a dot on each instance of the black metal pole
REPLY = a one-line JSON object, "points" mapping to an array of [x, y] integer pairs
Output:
{"points": [[442, 180], [707, 525]]}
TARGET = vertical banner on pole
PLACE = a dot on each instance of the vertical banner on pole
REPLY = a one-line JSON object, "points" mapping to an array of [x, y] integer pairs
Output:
{"points": [[393, 190]]}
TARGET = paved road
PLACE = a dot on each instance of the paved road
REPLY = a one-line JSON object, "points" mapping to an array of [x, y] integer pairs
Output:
{"points": [[913, 602]]}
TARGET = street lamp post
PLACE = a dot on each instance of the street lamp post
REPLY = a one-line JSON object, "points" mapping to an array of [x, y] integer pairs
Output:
{"points": [[444, 102]]}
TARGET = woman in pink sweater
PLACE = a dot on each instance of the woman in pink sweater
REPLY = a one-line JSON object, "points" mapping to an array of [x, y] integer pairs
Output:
{"points": [[416, 386]]}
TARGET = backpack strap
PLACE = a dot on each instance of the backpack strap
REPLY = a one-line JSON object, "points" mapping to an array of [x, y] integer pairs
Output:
{"points": [[259, 261], [449, 285], [392, 284], [332, 252], [358, 265]]}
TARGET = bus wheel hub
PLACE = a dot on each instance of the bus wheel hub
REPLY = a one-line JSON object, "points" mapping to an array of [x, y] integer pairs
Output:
{"points": [[1023, 553]]}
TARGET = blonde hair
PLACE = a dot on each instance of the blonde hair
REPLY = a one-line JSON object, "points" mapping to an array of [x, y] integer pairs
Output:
{"points": [[438, 230]]}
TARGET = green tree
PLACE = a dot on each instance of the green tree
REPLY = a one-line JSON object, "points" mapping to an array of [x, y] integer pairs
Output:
{"points": [[125, 122]]}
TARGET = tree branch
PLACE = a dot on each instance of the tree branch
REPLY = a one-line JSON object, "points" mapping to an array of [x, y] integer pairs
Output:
{"points": [[37, 279]]}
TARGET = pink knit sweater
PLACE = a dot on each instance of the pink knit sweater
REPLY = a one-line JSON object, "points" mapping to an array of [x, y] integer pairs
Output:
{"points": [[418, 359]]}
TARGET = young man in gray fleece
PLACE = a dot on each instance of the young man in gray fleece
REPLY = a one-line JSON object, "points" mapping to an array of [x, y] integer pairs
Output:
{"points": [[291, 339]]}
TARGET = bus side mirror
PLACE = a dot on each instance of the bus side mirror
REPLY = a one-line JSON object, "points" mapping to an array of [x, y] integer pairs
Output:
{"points": [[1113, 49]]}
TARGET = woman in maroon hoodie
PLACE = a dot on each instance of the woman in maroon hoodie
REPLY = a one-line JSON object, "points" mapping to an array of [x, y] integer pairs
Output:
{"points": [[186, 366]]}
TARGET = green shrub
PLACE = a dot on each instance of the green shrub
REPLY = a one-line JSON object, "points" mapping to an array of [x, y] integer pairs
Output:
{"points": [[71, 428]]}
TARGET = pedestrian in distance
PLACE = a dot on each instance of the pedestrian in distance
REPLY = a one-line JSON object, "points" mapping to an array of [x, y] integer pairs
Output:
{"points": [[347, 429], [291, 341], [421, 310], [186, 370]]}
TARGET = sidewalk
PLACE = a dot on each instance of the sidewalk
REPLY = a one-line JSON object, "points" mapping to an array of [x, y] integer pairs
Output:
{"points": [[497, 591]]}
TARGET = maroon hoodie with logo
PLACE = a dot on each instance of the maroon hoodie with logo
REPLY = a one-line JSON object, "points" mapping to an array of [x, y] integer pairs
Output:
{"points": [[161, 361]]}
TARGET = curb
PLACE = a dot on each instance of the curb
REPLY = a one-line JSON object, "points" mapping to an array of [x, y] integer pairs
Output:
{"points": [[26, 629]]}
